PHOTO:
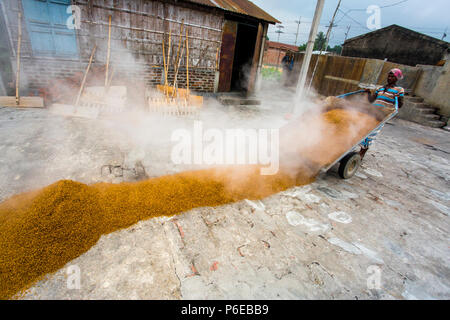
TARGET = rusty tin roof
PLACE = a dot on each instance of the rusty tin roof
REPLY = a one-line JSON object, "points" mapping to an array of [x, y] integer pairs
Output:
{"points": [[244, 7]]}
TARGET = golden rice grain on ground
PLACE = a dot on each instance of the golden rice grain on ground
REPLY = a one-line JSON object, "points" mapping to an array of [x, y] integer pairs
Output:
{"points": [[40, 231]]}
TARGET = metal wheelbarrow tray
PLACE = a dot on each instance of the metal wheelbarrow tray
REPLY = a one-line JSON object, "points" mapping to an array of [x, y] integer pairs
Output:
{"points": [[350, 160]]}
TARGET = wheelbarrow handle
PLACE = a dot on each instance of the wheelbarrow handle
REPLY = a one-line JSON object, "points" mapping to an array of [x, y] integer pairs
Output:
{"points": [[350, 93]]}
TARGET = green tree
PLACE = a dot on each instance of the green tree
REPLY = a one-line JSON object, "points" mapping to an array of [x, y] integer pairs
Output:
{"points": [[319, 43], [302, 47], [336, 49]]}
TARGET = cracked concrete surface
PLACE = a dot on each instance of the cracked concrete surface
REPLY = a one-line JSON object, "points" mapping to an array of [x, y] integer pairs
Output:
{"points": [[319, 241]]}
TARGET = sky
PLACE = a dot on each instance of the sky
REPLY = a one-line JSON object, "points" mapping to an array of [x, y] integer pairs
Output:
{"points": [[429, 17]]}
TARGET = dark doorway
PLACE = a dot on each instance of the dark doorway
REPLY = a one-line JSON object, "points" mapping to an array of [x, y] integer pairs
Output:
{"points": [[245, 47]]}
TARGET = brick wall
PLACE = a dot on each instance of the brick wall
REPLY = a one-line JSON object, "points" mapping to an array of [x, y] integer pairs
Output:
{"points": [[273, 56], [36, 73], [201, 80]]}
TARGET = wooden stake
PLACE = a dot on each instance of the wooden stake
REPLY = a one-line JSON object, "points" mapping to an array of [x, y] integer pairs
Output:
{"points": [[109, 52], [178, 58], [17, 101], [168, 61], [164, 59], [85, 76], [217, 59], [187, 64], [19, 40], [176, 72], [109, 80]]}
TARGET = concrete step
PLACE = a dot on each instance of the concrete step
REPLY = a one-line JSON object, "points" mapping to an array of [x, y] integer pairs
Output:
{"points": [[434, 123], [432, 117], [236, 100], [416, 110], [425, 110], [413, 99], [419, 105]]}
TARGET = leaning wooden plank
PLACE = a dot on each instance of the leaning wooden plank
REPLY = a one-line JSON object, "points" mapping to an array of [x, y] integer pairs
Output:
{"points": [[25, 102], [68, 110], [84, 77]]}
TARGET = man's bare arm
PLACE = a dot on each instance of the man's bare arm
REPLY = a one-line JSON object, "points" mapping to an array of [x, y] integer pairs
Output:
{"points": [[400, 102], [371, 96]]}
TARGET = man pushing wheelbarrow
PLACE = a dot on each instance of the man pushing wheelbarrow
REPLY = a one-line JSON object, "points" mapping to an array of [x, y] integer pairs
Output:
{"points": [[385, 103], [384, 97]]}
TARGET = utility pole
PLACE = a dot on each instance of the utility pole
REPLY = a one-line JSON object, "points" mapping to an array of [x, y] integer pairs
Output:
{"points": [[298, 27], [308, 53], [278, 40], [279, 32], [327, 38], [346, 35]]}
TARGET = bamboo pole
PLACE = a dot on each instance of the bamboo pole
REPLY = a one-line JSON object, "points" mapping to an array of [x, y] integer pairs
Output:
{"points": [[110, 80], [19, 40], [178, 58], [164, 59], [168, 50], [175, 84], [85, 76], [187, 64], [109, 52], [168, 63], [217, 59]]}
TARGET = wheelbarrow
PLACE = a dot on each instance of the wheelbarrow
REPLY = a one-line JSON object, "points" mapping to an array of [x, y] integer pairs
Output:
{"points": [[350, 160]]}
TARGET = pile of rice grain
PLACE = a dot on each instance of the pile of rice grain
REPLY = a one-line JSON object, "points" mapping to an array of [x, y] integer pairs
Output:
{"points": [[40, 231]]}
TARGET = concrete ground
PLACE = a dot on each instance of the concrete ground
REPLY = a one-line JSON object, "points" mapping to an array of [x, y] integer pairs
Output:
{"points": [[382, 234]]}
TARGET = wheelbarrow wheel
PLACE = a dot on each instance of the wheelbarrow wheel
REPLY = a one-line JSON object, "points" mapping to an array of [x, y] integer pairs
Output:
{"points": [[349, 165]]}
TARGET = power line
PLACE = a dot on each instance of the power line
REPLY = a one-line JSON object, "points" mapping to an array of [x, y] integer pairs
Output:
{"points": [[394, 4], [345, 14], [381, 7]]}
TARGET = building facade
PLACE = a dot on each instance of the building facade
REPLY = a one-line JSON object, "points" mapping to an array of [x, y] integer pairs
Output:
{"points": [[275, 51], [58, 37], [398, 45]]}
